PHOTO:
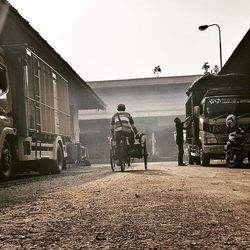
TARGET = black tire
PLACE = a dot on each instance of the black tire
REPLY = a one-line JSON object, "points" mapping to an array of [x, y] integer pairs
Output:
{"points": [[145, 156], [122, 158], [57, 165], [197, 160], [122, 162], [233, 158], [191, 160], [205, 159], [7, 164], [112, 160]]}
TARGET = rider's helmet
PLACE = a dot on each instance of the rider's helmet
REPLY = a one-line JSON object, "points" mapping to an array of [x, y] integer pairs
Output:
{"points": [[231, 121], [121, 107]]}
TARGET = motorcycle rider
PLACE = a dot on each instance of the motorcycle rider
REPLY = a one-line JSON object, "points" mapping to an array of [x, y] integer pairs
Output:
{"points": [[122, 124], [231, 122], [234, 146]]}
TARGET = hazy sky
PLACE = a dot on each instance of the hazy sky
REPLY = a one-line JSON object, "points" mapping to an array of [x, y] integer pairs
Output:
{"points": [[121, 39]]}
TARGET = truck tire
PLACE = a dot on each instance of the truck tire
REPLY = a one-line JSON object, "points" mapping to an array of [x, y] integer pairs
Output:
{"points": [[191, 160], [234, 158], [57, 165], [205, 159], [197, 160], [7, 163]]}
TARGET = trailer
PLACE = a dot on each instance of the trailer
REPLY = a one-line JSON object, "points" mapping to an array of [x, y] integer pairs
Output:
{"points": [[34, 113]]}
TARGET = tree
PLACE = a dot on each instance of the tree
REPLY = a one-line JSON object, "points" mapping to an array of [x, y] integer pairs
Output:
{"points": [[215, 70], [206, 67], [157, 70]]}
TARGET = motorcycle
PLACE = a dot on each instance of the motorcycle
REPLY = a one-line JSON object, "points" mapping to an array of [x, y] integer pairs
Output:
{"points": [[235, 147]]}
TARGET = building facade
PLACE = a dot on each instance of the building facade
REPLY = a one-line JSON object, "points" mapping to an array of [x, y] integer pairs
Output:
{"points": [[153, 103]]}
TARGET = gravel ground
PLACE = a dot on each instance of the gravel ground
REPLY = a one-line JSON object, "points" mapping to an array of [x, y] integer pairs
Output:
{"points": [[165, 207]]}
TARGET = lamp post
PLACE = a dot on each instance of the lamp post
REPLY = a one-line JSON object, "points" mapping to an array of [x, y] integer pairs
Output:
{"points": [[204, 27]]}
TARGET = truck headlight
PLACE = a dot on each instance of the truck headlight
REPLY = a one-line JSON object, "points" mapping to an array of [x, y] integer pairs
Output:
{"points": [[209, 138]]}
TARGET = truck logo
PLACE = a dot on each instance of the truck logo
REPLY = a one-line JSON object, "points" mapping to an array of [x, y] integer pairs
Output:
{"points": [[215, 101]]}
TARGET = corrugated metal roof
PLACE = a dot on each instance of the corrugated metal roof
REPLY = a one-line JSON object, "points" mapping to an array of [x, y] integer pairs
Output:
{"points": [[101, 105], [239, 61]]}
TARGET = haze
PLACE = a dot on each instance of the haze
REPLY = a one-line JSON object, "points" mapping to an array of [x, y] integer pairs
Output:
{"points": [[122, 39]]}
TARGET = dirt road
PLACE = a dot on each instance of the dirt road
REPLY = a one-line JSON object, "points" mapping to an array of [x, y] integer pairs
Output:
{"points": [[165, 207]]}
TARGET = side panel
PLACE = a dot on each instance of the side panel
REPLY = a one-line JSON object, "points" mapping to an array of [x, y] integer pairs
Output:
{"points": [[47, 99]]}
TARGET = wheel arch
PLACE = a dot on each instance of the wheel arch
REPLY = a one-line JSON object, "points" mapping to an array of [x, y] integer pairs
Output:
{"points": [[57, 141]]}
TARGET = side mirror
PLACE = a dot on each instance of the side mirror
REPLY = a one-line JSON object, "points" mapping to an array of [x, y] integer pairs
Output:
{"points": [[196, 111]]}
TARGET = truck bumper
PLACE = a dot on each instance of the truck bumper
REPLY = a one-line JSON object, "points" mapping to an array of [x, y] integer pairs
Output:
{"points": [[219, 150], [214, 150]]}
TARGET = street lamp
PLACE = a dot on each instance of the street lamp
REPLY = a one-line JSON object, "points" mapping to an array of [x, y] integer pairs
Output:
{"points": [[204, 27]]}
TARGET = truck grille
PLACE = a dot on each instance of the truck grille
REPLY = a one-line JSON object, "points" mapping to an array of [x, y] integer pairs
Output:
{"points": [[218, 129], [223, 129]]}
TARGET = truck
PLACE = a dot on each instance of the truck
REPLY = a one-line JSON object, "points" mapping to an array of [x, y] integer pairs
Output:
{"points": [[34, 113], [211, 98]]}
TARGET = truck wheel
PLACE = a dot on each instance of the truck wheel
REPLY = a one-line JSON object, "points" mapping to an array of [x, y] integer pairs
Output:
{"points": [[57, 165], [233, 158], [197, 160], [205, 159], [7, 161], [191, 160]]}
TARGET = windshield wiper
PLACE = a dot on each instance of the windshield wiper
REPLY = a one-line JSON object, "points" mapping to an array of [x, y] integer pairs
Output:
{"points": [[243, 115], [219, 116]]}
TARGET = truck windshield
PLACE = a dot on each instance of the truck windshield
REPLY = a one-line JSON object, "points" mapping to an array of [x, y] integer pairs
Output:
{"points": [[216, 106], [3, 81]]}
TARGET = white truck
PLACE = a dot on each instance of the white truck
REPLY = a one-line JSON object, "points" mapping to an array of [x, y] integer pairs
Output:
{"points": [[34, 113]]}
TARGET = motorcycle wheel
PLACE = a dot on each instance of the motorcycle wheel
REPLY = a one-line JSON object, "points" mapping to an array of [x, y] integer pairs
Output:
{"points": [[122, 164], [122, 158], [145, 157], [112, 160], [233, 158]]}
